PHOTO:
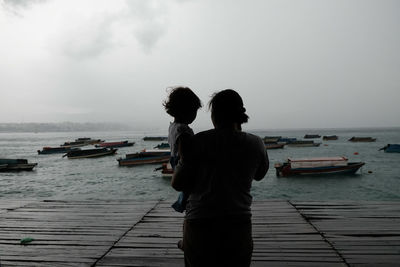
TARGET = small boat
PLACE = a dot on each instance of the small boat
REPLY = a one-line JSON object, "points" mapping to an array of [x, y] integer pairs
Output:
{"points": [[362, 139], [286, 140], [156, 152], [273, 145], [312, 166], [330, 137], [115, 144], [271, 139], [145, 157], [162, 146], [391, 148], [55, 150], [89, 140], [85, 141], [302, 143], [311, 136], [7, 165], [90, 153], [155, 138]]}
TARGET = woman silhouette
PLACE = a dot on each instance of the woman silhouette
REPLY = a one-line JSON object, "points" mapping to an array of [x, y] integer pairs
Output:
{"points": [[218, 173]]}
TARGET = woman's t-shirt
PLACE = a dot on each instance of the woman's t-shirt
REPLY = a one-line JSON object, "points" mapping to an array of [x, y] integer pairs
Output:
{"points": [[222, 167]]}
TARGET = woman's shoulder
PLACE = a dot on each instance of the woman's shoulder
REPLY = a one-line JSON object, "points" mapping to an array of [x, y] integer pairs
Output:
{"points": [[253, 136], [253, 139], [205, 134]]}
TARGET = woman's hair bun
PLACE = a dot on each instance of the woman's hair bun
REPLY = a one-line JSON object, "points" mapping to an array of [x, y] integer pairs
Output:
{"points": [[227, 107]]}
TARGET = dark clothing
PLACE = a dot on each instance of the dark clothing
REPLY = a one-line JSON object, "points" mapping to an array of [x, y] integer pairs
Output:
{"points": [[175, 131], [180, 204], [225, 242], [218, 173]]}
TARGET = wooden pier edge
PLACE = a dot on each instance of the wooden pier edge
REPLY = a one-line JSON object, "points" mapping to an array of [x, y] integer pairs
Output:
{"points": [[145, 233]]}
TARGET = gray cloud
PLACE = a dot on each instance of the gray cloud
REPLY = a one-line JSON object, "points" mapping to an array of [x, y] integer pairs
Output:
{"points": [[16, 7], [149, 21], [22, 3], [146, 20], [90, 39]]}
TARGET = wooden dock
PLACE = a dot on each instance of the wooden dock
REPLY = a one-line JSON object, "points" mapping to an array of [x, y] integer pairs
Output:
{"points": [[126, 233]]}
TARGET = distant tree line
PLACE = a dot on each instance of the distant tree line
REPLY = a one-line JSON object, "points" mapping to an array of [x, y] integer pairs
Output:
{"points": [[62, 127]]}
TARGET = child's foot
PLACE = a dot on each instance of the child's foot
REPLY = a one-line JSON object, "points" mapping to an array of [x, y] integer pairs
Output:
{"points": [[180, 244]]}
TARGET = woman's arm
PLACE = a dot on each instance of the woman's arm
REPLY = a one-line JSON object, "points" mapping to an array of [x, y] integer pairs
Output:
{"points": [[179, 177], [264, 163]]}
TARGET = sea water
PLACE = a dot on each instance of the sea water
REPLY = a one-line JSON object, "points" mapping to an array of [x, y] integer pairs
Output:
{"points": [[56, 177]]}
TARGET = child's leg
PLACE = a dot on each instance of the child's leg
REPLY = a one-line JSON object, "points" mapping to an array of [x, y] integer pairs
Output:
{"points": [[180, 203]]}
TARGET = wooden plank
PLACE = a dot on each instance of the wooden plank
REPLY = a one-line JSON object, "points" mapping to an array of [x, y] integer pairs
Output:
{"points": [[125, 233], [280, 234], [365, 234], [65, 233]]}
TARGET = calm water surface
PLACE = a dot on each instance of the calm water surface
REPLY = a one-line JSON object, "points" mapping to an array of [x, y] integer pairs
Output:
{"points": [[62, 178]]}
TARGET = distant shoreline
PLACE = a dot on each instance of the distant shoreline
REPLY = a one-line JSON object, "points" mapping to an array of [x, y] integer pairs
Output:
{"points": [[61, 127], [33, 127]]}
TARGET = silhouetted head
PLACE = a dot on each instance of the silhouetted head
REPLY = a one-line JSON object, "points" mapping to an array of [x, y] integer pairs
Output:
{"points": [[182, 104], [227, 109]]}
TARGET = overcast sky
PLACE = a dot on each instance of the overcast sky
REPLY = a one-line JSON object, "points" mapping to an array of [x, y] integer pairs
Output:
{"points": [[296, 63]]}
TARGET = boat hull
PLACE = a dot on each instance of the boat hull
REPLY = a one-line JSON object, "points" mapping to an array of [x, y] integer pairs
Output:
{"points": [[303, 144], [17, 167], [286, 170], [362, 139], [115, 144], [143, 160], [392, 148], [274, 146], [312, 136], [90, 153], [329, 137], [14, 165], [56, 150], [155, 138]]}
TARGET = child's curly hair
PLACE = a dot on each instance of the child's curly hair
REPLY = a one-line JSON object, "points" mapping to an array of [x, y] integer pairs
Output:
{"points": [[180, 101]]}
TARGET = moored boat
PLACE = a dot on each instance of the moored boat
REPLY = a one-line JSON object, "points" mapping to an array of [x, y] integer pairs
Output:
{"points": [[85, 141], [155, 138], [90, 153], [273, 145], [89, 140], [115, 144], [317, 166], [156, 152], [330, 137], [145, 157], [391, 148], [271, 139], [311, 136], [302, 143], [16, 165], [55, 150], [286, 140], [362, 139]]}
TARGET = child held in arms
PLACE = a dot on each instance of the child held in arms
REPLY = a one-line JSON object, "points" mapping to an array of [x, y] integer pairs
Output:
{"points": [[182, 104]]}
